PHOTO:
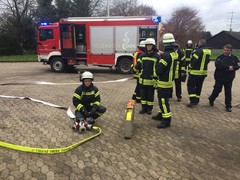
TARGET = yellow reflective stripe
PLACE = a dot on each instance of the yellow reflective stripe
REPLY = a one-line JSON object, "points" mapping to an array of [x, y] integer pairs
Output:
{"points": [[174, 56], [97, 103], [88, 93], [177, 69], [139, 60], [77, 96], [148, 82], [197, 96], [97, 94], [149, 59], [164, 84], [150, 103], [159, 110], [192, 95], [196, 56], [183, 68], [205, 53], [198, 72], [183, 58], [166, 115], [49, 150], [163, 62], [79, 107], [143, 102]]}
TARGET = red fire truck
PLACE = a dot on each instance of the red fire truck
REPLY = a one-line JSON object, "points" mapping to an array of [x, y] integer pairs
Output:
{"points": [[101, 41]]}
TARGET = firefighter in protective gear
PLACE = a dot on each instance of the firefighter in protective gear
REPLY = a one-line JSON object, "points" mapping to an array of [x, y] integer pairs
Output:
{"points": [[86, 100], [188, 51], [146, 64], [140, 51], [165, 70], [198, 69], [180, 74]]}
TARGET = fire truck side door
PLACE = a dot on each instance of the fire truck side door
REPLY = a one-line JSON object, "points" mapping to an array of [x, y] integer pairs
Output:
{"points": [[46, 41], [67, 41]]}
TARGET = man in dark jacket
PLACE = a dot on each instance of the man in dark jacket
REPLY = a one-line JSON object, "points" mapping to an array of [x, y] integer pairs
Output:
{"points": [[226, 65]]}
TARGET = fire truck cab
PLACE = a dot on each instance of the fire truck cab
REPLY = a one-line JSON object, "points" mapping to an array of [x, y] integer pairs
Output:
{"points": [[101, 41]]}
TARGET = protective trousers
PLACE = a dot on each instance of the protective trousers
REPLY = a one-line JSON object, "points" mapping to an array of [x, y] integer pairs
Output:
{"points": [[194, 86], [163, 100], [147, 97], [178, 88], [136, 94], [227, 89]]}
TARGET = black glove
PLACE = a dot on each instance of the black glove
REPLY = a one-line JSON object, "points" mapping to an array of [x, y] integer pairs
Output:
{"points": [[84, 112], [93, 110]]}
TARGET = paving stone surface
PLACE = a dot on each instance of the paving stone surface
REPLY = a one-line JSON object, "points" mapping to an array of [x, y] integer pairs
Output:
{"points": [[202, 143]]}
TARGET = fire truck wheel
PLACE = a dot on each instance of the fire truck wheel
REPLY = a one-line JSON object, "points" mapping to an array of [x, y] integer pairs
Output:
{"points": [[124, 66], [58, 65]]}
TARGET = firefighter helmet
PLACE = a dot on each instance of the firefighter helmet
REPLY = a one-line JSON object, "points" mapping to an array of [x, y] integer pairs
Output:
{"points": [[189, 42], [168, 38], [86, 75], [150, 41], [141, 44]]}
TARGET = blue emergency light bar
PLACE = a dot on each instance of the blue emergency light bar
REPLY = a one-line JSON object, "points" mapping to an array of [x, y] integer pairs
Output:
{"points": [[44, 23], [156, 19]]}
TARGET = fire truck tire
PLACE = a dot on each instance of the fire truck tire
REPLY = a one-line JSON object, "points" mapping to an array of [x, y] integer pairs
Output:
{"points": [[58, 65], [124, 66]]}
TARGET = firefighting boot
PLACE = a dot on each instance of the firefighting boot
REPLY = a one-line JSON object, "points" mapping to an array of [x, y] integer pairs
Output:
{"points": [[157, 117], [165, 123], [82, 128]]}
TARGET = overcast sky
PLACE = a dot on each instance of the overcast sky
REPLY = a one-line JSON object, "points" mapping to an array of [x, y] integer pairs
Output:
{"points": [[216, 14]]}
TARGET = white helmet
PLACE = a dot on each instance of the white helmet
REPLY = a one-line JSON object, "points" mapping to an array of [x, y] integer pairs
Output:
{"points": [[150, 41], [141, 44], [86, 75], [168, 38], [189, 42]]}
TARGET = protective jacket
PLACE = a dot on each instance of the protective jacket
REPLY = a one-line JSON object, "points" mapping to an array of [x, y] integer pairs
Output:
{"points": [[181, 64], [136, 56], [188, 53], [86, 97], [166, 68], [146, 63], [222, 64], [199, 62]]}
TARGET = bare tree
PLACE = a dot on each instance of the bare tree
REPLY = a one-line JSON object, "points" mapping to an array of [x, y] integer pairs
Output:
{"points": [[130, 8], [144, 10], [185, 24], [15, 19]]}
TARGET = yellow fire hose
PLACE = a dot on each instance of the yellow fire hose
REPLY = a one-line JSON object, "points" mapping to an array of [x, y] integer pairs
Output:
{"points": [[51, 150], [46, 150]]}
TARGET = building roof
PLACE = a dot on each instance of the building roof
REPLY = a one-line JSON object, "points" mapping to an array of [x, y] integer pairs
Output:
{"points": [[223, 38], [235, 34]]}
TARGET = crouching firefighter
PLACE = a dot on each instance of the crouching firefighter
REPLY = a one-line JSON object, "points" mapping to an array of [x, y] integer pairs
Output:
{"points": [[165, 70], [86, 100]]}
